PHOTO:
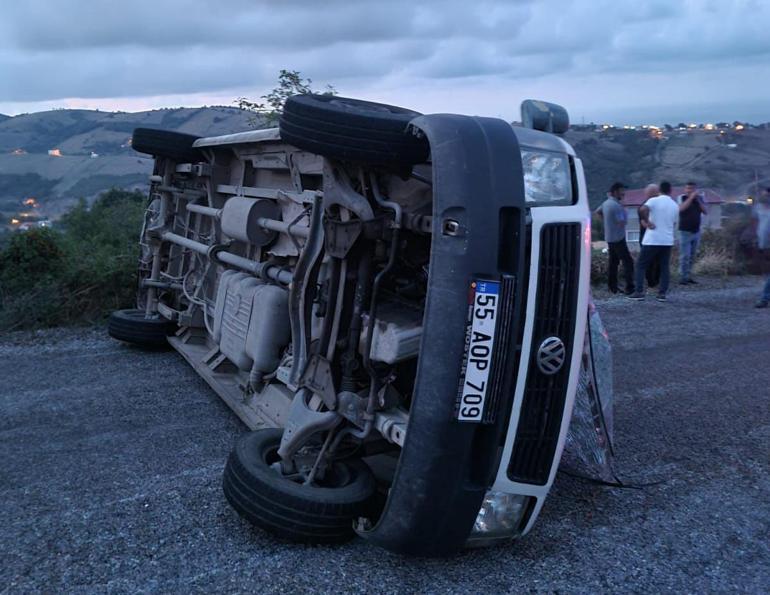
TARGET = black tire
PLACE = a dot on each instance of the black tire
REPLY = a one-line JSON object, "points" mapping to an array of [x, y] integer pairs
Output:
{"points": [[352, 130], [290, 510], [177, 146], [132, 327]]}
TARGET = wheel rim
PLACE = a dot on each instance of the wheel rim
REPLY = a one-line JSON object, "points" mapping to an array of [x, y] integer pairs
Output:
{"points": [[337, 476]]}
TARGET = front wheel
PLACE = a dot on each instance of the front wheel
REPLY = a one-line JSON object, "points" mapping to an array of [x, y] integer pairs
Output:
{"points": [[286, 507]]}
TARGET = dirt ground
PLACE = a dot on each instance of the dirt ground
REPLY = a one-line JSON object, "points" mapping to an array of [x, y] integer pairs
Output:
{"points": [[112, 459]]}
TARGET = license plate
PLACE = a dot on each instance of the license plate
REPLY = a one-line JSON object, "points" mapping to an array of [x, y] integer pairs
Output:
{"points": [[479, 347]]}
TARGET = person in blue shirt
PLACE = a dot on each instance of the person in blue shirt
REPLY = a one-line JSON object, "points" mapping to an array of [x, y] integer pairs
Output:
{"points": [[613, 214]]}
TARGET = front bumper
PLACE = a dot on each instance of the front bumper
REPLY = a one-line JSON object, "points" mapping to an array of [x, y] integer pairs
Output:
{"points": [[542, 406]]}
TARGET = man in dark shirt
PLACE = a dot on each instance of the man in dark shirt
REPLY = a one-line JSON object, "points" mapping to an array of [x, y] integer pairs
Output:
{"points": [[692, 205]]}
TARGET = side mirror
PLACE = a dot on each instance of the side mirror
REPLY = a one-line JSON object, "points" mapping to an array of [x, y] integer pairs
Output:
{"points": [[544, 116]]}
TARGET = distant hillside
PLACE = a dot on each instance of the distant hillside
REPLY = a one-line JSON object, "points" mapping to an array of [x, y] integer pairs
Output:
{"points": [[631, 156], [27, 170], [730, 162]]}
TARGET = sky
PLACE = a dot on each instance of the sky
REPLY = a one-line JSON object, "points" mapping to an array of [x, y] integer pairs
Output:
{"points": [[615, 61]]}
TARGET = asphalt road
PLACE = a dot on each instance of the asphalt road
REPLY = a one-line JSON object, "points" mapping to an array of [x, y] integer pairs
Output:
{"points": [[111, 461]]}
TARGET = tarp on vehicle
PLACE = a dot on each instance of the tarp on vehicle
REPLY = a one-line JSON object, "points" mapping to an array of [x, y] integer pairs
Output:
{"points": [[589, 448]]}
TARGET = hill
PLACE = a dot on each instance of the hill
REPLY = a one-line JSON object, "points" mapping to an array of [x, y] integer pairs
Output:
{"points": [[729, 161], [95, 154], [93, 151]]}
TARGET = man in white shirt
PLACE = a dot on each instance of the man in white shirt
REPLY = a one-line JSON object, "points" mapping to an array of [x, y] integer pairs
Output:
{"points": [[659, 215]]}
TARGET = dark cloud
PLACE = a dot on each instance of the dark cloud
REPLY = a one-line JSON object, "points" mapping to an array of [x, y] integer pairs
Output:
{"points": [[119, 48], [39, 25]]}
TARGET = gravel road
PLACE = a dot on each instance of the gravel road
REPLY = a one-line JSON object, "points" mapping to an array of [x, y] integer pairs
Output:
{"points": [[112, 459]]}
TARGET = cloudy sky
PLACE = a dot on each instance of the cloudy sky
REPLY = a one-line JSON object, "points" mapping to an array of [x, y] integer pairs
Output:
{"points": [[649, 61]]}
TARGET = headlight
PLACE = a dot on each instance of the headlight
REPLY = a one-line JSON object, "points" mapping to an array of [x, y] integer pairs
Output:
{"points": [[499, 518], [547, 178]]}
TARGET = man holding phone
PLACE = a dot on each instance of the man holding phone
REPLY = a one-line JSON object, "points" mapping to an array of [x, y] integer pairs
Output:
{"points": [[692, 205]]}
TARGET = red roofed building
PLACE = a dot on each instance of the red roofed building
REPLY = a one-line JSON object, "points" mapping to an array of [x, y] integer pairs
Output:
{"points": [[636, 198]]}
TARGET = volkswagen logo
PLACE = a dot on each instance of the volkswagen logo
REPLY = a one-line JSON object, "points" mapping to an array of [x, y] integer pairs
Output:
{"points": [[550, 355]]}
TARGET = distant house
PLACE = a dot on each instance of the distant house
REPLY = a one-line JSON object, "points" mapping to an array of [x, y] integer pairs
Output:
{"points": [[54, 152], [636, 198]]}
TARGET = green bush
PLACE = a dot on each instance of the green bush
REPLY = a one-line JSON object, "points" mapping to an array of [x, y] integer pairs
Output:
{"points": [[79, 271], [36, 255], [597, 228], [600, 266]]}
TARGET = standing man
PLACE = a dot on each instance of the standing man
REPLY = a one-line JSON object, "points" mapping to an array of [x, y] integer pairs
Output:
{"points": [[659, 216], [653, 271], [764, 300], [692, 205], [762, 215], [614, 215]]}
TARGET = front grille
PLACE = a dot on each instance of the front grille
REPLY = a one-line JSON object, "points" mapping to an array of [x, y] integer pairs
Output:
{"points": [[542, 406], [501, 357], [520, 314]]}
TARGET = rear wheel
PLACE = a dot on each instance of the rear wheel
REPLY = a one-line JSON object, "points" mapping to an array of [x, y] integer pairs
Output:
{"points": [[177, 146], [131, 326], [322, 512], [352, 130]]}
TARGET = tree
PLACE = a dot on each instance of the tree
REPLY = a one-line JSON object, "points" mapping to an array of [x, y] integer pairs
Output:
{"points": [[79, 271], [290, 82]]}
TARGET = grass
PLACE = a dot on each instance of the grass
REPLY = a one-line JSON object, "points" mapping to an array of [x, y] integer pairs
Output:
{"points": [[714, 263], [722, 253]]}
